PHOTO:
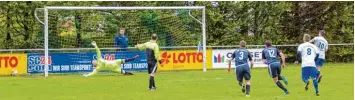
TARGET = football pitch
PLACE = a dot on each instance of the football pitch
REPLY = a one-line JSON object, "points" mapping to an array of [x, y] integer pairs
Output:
{"points": [[337, 84]]}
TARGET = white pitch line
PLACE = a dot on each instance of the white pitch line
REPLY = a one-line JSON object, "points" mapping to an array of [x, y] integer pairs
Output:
{"points": [[200, 79]]}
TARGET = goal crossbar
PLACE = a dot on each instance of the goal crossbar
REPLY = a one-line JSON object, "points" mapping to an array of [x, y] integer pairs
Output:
{"points": [[122, 8]]}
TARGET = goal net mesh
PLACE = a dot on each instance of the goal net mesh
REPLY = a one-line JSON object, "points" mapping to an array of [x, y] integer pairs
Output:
{"points": [[72, 31]]}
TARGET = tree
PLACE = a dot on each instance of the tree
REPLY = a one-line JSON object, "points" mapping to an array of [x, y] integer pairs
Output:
{"points": [[226, 24]]}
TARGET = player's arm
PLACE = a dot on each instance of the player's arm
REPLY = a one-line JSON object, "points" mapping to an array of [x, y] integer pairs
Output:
{"points": [[299, 54], [313, 40], [230, 62], [263, 56], [92, 73], [141, 46], [250, 60], [282, 58], [326, 47], [316, 51], [126, 41], [98, 52], [157, 54]]}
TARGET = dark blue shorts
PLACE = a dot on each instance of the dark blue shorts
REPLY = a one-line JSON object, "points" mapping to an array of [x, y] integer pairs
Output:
{"points": [[319, 62], [274, 69], [243, 71], [309, 71], [152, 66]]}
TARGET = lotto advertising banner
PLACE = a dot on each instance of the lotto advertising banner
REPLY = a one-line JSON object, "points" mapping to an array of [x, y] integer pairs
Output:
{"points": [[81, 62], [220, 58], [184, 59], [11, 62]]}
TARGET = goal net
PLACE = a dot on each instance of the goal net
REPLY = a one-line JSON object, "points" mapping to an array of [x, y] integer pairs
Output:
{"points": [[69, 32]]}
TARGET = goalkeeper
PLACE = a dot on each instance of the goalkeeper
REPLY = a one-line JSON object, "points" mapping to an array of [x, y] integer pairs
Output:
{"points": [[113, 65]]}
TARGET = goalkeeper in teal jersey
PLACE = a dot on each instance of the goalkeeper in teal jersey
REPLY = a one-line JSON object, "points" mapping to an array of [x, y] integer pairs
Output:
{"points": [[113, 65]]}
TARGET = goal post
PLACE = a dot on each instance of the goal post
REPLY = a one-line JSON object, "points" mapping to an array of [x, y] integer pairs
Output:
{"points": [[72, 8]]}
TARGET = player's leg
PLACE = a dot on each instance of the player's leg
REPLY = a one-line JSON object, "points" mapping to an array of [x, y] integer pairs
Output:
{"points": [[319, 75], [319, 64], [155, 68], [239, 75], [126, 72], [119, 70], [280, 76], [275, 73], [116, 70], [247, 87], [120, 61], [305, 76], [313, 75], [247, 77], [152, 68]]}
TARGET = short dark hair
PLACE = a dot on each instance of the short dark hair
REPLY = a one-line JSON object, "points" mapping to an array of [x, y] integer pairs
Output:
{"points": [[322, 32], [268, 42], [242, 43], [154, 36]]}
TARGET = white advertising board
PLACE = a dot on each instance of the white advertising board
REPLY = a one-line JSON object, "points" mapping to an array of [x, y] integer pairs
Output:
{"points": [[220, 58]]}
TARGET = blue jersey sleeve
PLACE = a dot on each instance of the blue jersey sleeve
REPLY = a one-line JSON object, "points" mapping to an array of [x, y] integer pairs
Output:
{"points": [[263, 54], [233, 55], [249, 56], [298, 55]]}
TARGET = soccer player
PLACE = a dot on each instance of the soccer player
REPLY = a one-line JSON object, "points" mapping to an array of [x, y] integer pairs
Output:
{"points": [[270, 56], [241, 57], [153, 56], [308, 53], [113, 65], [322, 45]]}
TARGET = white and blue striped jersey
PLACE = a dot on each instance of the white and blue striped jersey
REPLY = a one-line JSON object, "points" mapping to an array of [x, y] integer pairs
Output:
{"points": [[308, 53], [321, 44]]}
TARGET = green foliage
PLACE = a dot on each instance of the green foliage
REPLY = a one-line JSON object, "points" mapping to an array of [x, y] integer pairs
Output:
{"points": [[227, 23]]}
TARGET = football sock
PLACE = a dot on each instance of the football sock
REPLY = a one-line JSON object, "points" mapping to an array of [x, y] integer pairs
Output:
{"points": [[315, 83], [280, 86], [318, 74], [247, 89], [151, 82]]}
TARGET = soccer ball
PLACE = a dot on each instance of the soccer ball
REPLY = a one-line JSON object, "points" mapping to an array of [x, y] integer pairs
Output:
{"points": [[14, 72]]}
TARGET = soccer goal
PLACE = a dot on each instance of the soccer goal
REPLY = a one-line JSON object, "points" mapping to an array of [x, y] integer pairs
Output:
{"points": [[70, 29]]}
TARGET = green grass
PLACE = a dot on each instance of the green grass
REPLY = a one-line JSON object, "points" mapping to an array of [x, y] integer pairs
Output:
{"points": [[337, 84]]}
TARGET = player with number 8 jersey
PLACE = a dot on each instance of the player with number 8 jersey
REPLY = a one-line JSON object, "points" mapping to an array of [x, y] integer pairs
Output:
{"points": [[308, 53]]}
